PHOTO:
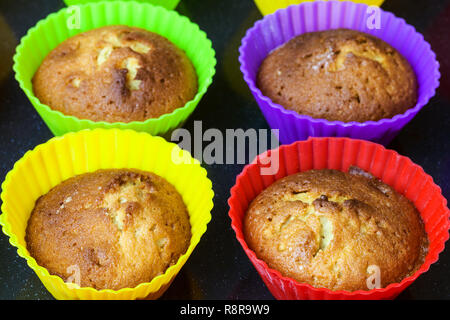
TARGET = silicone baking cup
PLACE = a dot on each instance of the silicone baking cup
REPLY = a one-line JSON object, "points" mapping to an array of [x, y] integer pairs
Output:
{"points": [[53, 30], [63, 157], [279, 27], [395, 170], [168, 4], [269, 6]]}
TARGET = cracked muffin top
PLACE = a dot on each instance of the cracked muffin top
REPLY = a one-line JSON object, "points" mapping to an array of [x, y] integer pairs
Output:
{"points": [[331, 229], [113, 228], [116, 74], [339, 74]]}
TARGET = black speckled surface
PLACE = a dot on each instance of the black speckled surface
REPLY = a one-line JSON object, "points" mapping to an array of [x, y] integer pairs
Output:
{"points": [[218, 268]]}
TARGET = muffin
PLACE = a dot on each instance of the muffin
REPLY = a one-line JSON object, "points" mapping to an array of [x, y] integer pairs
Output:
{"points": [[329, 228], [340, 74], [115, 74], [118, 228]]}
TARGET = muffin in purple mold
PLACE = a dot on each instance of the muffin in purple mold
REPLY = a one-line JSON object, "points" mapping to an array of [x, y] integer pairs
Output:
{"points": [[383, 115]]}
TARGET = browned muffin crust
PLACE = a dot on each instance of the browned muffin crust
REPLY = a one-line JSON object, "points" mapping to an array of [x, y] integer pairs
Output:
{"points": [[116, 74], [340, 74], [119, 227], [326, 227]]}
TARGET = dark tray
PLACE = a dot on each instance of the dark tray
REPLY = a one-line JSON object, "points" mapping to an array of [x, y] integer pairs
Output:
{"points": [[218, 268]]}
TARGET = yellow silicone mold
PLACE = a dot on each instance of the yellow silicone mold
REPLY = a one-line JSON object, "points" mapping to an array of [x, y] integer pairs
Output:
{"points": [[270, 6], [89, 150]]}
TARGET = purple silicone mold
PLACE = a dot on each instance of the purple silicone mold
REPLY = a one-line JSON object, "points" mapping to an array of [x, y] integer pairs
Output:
{"points": [[277, 28]]}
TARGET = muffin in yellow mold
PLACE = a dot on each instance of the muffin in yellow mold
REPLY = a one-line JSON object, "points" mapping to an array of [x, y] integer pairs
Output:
{"points": [[63, 157]]}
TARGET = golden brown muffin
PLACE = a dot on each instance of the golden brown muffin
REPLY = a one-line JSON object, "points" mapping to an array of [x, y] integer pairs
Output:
{"points": [[326, 227], [340, 74], [116, 74], [120, 228]]}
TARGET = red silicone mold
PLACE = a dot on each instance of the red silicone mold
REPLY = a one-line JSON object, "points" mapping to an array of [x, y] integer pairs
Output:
{"points": [[395, 170]]}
